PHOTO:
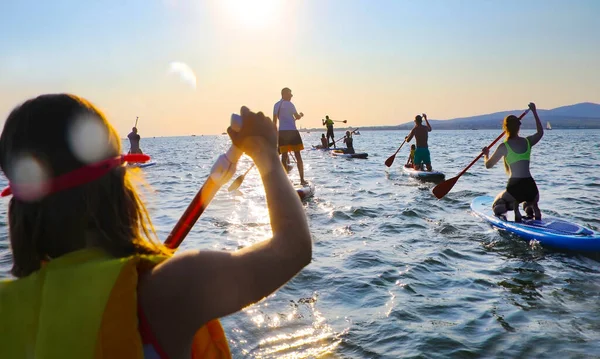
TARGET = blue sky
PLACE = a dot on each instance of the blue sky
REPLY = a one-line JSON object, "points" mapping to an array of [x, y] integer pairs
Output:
{"points": [[370, 62]]}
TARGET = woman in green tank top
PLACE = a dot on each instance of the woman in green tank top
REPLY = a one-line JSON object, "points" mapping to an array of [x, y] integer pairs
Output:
{"points": [[516, 151]]}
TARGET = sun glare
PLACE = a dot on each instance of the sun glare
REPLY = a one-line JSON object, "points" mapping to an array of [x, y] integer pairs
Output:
{"points": [[252, 13]]}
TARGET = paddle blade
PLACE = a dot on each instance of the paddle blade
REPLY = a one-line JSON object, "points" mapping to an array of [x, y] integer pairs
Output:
{"points": [[443, 188], [390, 160], [345, 121], [236, 183]]}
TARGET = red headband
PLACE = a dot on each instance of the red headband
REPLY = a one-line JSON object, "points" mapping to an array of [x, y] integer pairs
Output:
{"points": [[79, 176]]}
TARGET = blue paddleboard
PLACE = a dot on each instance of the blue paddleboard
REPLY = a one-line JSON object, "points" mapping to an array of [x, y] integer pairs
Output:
{"points": [[141, 165], [552, 232]]}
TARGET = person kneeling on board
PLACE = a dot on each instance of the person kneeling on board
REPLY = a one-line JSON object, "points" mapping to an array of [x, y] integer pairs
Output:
{"points": [[349, 144], [516, 151], [411, 157], [91, 280]]}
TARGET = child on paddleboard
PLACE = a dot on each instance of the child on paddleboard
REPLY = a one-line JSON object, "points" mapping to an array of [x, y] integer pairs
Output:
{"points": [[411, 157], [516, 152], [91, 279]]}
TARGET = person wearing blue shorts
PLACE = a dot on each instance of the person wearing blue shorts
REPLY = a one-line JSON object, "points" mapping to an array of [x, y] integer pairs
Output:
{"points": [[421, 133]]}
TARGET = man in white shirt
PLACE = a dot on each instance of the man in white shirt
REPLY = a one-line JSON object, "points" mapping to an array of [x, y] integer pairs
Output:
{"points": [[285, 113]]}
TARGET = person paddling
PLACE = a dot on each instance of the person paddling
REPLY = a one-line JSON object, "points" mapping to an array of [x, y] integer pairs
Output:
{"points": [[134, 141], [285, 113], [349, 141], [516, 151], [421, 133], [91, 280], [329, 123]]}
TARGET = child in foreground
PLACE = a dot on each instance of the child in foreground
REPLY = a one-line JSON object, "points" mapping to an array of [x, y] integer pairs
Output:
{"points": [[91, 279]]}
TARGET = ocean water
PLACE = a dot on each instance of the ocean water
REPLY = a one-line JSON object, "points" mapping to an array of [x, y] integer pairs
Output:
{"points": [[397, 273]]}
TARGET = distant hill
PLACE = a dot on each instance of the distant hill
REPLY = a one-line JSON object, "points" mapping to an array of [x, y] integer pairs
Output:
{"points": [[585, 115], [581, 115]]}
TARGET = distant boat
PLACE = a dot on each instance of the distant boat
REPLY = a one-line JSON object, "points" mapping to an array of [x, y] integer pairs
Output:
{"points": [[224, 133], [548, 127]]}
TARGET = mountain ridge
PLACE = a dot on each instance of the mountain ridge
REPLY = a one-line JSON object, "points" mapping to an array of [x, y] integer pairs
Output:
{"points": [[582, 115]]}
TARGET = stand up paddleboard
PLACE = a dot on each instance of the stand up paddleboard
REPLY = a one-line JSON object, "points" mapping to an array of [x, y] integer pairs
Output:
{"points": [[424, 175], [319, 147], [340, 153], [552, 232], [306, 191]]}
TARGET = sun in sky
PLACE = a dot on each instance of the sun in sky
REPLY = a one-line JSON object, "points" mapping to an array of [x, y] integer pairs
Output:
{"points": [[251, 14]]}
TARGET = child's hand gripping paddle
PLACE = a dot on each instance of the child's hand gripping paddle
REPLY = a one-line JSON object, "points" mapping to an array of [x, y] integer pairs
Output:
{"points": [[220, 173]]}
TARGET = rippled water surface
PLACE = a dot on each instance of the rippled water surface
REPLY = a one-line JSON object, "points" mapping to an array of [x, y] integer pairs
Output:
{"points": [[397, 273]]}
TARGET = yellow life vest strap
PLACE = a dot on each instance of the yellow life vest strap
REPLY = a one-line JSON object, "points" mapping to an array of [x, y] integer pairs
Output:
{"points": [[84, 305]]}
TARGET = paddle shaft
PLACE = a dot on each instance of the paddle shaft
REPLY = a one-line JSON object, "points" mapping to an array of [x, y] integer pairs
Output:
{"points": [[248, 170], [345, 135], [398, 150], [390, 161], [191, 214], [136, 120], [489, 147], [220, 173]]}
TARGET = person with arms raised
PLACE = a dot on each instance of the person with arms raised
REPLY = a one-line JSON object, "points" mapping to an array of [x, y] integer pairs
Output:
{"points": [[516, 151], [91, 279], [285, 114], [421, 134], [134, 141]]}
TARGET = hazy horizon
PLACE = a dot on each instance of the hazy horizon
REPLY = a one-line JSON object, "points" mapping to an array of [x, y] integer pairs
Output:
{"points": [[184, 66]]}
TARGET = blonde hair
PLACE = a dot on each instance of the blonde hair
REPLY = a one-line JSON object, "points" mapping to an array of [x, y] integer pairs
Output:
{"points": [[511, 126]]}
